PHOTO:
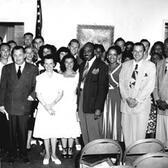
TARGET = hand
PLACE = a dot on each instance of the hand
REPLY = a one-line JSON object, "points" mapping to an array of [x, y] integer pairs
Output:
{"points": [[97, 114], [30, 98], [2, 109], [132, 102], [162, 105]]}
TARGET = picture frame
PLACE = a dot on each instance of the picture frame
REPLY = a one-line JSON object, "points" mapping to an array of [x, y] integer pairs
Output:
{"points": [[97, 34]]}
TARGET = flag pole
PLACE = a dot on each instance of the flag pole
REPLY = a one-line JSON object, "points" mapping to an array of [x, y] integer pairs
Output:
{"points": [[39, 19]]}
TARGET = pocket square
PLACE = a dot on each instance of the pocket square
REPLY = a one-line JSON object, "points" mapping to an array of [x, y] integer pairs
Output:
{"points": [[95, 71]]}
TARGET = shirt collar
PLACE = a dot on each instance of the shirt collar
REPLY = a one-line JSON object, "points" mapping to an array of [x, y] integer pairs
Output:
{"points": [[91, 61], [139, 63], [22, 66]]}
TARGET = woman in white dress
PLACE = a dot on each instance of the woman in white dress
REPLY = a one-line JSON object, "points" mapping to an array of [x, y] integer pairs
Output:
{"points": [[71, 128], [49, 94]]}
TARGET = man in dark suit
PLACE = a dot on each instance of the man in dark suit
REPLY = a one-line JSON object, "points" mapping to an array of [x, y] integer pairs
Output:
{"points": [[16, 93], [92, 89]]}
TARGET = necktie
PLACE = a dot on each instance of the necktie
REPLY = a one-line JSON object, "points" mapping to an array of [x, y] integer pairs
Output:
{"points": [[86, 69], [19, 72], [166, 68], [133, 76]]}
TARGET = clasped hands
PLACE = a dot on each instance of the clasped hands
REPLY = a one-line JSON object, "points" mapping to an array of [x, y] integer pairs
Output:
{"points": [[97, 114], [132, 102], [161, 104], [49, 108]]}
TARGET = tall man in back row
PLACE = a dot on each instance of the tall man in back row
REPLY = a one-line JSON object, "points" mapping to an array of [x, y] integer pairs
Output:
{"points": [[93, 86], [136, 82], [16, 93]]}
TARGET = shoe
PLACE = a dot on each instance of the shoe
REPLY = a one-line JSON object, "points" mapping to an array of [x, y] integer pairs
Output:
{"points": [[33, 142], [46, 161], [78, 147], [64, 152], [60, 147], [55, 160], [70, 152], [28, 149], [166, 148]]}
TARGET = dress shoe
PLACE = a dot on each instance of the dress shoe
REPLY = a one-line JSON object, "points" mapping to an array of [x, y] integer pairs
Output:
{"points": [[55, 160], [78, 147], [64, 153], [70, 154], [46, 161]]}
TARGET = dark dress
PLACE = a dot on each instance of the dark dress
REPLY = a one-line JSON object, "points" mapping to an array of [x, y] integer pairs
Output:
{"points": [[112, 114]]}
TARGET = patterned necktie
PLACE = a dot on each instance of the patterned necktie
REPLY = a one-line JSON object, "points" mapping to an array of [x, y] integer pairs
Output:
{"points": [[166, 68], [19, 72], [133, 76], [86, 69]]}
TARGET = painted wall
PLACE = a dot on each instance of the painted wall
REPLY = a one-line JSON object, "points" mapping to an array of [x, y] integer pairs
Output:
{"points": [[132, 19]]}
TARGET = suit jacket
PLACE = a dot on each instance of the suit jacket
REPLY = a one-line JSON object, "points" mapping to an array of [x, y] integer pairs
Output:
{"points": [[95, 86], [144, 86], [14, 92], [161, 85]]}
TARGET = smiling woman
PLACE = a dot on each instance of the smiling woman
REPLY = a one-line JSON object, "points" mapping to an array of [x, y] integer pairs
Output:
{"points": [[49, 93]]}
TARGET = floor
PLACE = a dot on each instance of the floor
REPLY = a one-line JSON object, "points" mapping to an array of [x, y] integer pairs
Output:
{"points": [[36, 161]]}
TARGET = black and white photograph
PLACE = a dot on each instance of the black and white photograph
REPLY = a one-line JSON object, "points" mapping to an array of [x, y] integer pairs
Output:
{"points": [[84, 83]]}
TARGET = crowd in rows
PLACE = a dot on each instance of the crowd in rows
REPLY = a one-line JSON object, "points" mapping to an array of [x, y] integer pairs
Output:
{"points": [[47, 93]]}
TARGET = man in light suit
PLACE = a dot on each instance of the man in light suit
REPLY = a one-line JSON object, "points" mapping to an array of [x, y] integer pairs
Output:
{"points": [[161, 97], [16, 92], [136, 82], [92, 89]]}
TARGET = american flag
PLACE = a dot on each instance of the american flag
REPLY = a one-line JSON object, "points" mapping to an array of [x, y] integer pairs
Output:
{"points": [[39, 19]]}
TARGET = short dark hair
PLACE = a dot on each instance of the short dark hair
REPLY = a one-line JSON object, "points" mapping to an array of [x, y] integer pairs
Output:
{"points": [[62, 64], [52, 48], [18, 48], [119, 39], [49, 56], [38, 37], [129, 43], [4, 44], [145, 40], [139, 44], [73, 41], [160, 43], [99, 46], [82, 50], [11, 41], [61, 49], [28, 34]]}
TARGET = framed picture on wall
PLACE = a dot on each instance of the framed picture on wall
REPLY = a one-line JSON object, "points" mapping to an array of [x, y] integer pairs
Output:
{"points": [[97, 34]]}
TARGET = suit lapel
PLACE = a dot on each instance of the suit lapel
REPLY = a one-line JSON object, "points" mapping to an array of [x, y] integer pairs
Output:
{"points": [[14, 73], [95, 63], [25, 73]]}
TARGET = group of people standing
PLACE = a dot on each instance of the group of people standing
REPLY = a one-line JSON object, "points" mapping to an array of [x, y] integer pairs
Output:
{"points": [[81, 90]]}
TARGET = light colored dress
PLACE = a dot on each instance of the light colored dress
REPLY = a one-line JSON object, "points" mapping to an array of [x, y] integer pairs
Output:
{"points": [[46, 125], [70, 127]]}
